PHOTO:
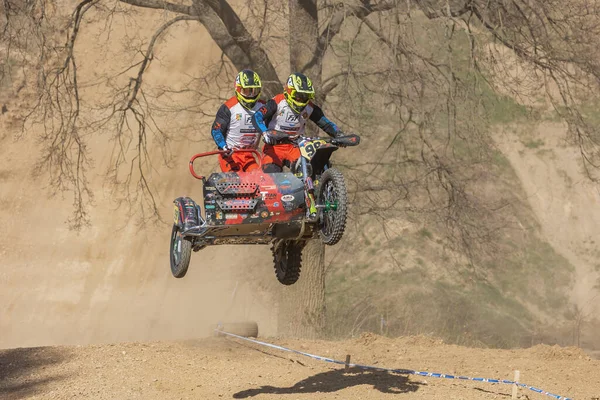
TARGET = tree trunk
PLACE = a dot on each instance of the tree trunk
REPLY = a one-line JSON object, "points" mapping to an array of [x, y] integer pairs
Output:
{"points": [[302, 307], [304, 36]]}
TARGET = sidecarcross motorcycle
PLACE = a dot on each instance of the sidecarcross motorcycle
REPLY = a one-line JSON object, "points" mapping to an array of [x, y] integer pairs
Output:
{"points": [[283, 209]]}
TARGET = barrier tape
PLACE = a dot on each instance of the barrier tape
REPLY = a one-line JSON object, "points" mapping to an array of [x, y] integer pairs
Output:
{"points": [[395, 370]]}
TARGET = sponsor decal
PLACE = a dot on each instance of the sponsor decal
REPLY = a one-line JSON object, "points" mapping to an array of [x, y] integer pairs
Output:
{"points": [[269, 187], [248, 119], [237, 203], [176, 215], [209, 207], [210, 188], [268, 196], [291, 118], [238, 117], [264, 214], [244, 216], [276, 204], [231, 216], [287, 197], [219, 215]]}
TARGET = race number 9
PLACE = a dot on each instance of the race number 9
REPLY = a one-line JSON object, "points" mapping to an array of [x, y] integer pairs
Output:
{"points": [[310, 150], [312, 147]]}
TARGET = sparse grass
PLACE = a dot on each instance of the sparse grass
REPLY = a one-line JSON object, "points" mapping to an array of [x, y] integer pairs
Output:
{"points": [[501, 109], [485, 305], [501, 161], [476, 315], [425, 233], [533, 143], [563, 174]]}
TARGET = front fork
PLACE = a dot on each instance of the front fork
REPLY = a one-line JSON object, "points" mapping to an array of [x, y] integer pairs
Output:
{"points": [[309, 188]]}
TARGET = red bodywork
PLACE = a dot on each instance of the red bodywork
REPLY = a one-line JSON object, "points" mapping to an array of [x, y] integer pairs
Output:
{"points": [[256, 197]]}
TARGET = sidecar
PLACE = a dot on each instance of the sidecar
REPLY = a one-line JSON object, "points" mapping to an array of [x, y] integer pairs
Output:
{"points": [[238, 208]]}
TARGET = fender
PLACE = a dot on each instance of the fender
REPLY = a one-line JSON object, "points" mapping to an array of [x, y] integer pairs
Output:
{"points": [[185, 213]]}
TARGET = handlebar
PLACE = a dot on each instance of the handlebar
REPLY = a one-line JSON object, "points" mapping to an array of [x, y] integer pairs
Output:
{"points": [[214, 152], [345, 140]]}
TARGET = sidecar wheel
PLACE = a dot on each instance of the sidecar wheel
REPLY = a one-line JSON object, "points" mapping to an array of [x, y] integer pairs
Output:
{"points": [[333, 196], [180, 253]]}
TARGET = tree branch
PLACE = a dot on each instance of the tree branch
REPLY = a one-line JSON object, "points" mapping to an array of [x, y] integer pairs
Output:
{"points": [[338, 18], [255, 56], [162, 5], [149, 55]]}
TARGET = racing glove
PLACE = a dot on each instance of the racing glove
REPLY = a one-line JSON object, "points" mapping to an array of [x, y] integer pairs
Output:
{"points": [[339, 134], [228, 151], [268, 138]]}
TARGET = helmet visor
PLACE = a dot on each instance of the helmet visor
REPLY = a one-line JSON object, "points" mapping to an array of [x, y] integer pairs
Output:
{"points": [[302, 98], [251, 92]]}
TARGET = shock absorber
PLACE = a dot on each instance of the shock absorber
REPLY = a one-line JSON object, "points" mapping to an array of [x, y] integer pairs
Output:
{"points": [[310, 190]]}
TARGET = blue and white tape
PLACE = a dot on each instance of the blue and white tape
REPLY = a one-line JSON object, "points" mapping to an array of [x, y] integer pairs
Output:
{"points": [[396, 370]]}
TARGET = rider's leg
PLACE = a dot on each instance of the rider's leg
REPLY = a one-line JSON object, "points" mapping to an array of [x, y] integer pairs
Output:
{"points": [[246, 161], [271, 161], [292, 154], [228, 164]]}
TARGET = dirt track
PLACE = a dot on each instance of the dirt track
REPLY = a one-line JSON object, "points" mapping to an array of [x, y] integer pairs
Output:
{"points": [[227, 368]]}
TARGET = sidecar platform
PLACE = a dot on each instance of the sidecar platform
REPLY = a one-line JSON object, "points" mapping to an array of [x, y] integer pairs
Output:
{"points": [[249, 208]]}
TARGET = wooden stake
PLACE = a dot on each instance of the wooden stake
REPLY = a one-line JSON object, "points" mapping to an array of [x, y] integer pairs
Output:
{"points": [[515, 388], [347, 366]]}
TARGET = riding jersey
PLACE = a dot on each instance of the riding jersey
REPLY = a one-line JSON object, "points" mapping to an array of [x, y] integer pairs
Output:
{"points": [[278, 115], [233, 125]]}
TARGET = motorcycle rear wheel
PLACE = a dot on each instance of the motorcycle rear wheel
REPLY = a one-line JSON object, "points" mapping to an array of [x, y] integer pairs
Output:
{"points": [[287, 257]]}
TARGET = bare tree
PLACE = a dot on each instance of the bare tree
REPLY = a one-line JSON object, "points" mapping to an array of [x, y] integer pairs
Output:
{"points": [[423, 65]]}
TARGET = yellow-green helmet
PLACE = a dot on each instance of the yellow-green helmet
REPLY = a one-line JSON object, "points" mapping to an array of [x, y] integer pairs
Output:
{"points": [[298, 91], [247, 88]]}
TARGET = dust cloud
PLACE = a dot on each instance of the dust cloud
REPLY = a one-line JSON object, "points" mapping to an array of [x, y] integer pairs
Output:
{"points": [[111, 282]]}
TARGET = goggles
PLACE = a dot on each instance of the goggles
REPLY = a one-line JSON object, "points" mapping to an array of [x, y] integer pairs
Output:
{"points": [[250, 92]]}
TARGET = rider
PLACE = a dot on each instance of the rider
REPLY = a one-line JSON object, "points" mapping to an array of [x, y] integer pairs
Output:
{"points": [[233, 127], [289, 112]]}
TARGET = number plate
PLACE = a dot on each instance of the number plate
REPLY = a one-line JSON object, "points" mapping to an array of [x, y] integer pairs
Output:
{"points": [[308, 149]]}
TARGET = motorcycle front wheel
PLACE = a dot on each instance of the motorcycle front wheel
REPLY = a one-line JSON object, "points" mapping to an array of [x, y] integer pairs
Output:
{"points": [[332, 198]]}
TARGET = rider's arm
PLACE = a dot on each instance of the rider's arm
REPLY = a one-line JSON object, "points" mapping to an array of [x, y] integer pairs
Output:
{"points": [[263, 116], [322, 122], [220, 126]]}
